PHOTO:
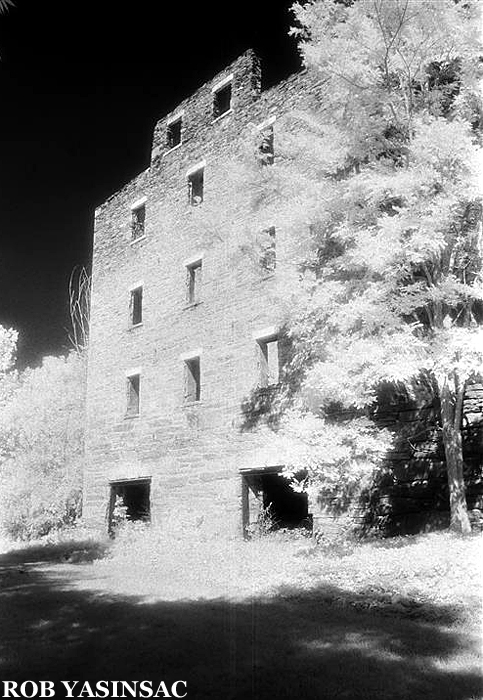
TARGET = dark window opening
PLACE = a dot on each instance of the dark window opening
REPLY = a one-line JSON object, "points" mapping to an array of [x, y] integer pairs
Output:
{"points": [[269, 362], [268, 257], [194, 282], [129, 500], [192, 379], [174, 133], [195, 187], [136, 306], [137, 222], [266, 150], [270, 503], [133, 386], [222, 101]]}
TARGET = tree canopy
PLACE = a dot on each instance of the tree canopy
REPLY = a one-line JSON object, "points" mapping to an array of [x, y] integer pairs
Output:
{"points": [[41, 447], [8, 346], [379, 187]]}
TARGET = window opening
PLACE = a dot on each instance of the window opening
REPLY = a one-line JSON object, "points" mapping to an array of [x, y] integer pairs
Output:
{"points": [[192, 379], [265, 147], [138, 221], [196, 187], [133, 387], [136, 306], [269, 362], [222, 101], [268, 256], [174, 133], [194, 282]]}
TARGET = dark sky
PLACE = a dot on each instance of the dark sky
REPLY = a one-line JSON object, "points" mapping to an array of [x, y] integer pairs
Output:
{"points": [[81, 86]]}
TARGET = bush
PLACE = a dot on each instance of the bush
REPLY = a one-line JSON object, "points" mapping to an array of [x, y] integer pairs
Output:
{"points": [[41, 449], [266, 523]]}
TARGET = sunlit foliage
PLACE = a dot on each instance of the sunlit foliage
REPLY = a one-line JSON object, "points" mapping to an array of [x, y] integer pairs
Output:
{"points": [[378, 188], [41, 448]]}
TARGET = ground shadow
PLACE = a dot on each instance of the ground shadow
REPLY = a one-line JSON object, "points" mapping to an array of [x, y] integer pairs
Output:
{"points": [[293, 645], [72, 551]]}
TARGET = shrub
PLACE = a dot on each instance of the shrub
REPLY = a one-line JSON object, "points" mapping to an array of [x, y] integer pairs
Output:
{"points": [[266, 523], [41, 448]]}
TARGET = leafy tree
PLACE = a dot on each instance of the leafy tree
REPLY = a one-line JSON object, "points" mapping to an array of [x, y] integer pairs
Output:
{"points": [[384, 173], [8, 344], [41, 448], [375, 186], [42, 429]]}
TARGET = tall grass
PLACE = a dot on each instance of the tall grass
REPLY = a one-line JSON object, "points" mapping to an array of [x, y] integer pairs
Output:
{"points": [[438, 568]]}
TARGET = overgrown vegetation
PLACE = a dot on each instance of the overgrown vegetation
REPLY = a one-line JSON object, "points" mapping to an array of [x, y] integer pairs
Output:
{"points": [[401, 575], [378, 188], [41, 443], [42, 426]]}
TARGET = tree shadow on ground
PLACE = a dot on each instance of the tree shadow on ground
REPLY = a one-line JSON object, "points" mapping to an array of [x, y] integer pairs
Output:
{"points": [[291, 645], [68, 551]]}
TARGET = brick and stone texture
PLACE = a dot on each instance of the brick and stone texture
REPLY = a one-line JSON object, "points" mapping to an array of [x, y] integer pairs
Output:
{"points": [[195, 452], [192, 452], [412, 494]]}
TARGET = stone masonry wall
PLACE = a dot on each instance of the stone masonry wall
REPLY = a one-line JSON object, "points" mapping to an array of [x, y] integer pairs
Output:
{"points": [[412, 494], [192, 453]]}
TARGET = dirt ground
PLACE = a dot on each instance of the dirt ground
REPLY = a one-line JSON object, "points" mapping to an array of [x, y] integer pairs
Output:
{"points": [[57, 624]]}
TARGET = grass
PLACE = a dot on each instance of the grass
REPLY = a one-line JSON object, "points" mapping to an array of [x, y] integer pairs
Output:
{"points": [[271, 618], [410, 575], [405, 574]]}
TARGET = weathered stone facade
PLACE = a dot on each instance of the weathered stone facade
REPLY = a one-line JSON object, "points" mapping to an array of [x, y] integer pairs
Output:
{"points": [[412, 494], [189, 451], [178, 320]]}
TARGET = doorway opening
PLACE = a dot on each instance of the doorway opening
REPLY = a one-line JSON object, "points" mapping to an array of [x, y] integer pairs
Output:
{"points": [[269, 503], [129, 500]]}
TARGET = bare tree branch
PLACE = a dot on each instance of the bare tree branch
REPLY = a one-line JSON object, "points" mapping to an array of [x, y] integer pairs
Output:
{"points": [[5, 5], [79, 307]]}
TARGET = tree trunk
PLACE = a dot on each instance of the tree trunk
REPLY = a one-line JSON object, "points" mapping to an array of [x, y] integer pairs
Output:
{"points": [[453, 448]]}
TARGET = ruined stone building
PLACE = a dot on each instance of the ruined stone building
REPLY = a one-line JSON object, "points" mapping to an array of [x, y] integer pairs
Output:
{"points": [[180, 331], [183, 331]]}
